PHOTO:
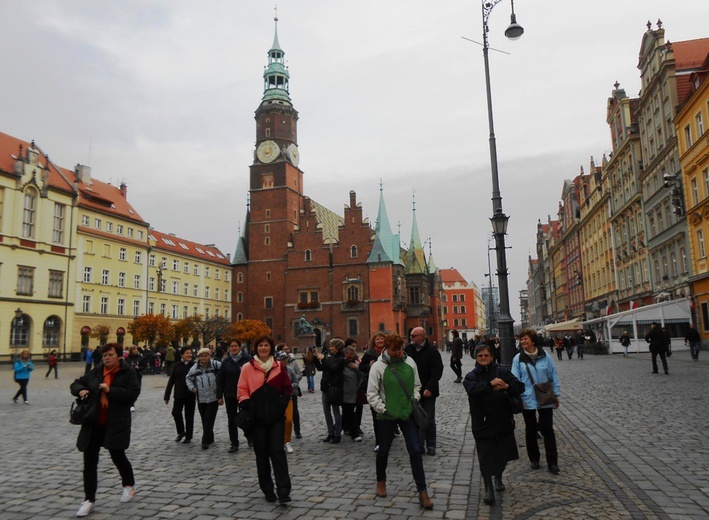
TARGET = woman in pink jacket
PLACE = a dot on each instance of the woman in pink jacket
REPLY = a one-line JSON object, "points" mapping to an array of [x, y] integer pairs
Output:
{"points": [[264, 391]]}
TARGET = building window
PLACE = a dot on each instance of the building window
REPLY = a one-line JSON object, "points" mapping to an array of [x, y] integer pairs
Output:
{"points": [[308, 255], [195, 290], [455, 297], [138, 258], [51, 332], [445, 298], [104, 305], [186, 269], [268, 276], [239, 297], [268, 302], [136, 307], [688, 136], [267, 241], [25, 280], [353, 252], [58, 232], [352, 327], [151, 283], [196, 270], [88, 274], [163, 285], [700, 242], [186, 289], [109, 226], [239, 277], [455, 309], [130, 232], [19, 332], [462, 309], [216, 293], [462, 297], [175, 312], [121, 279], [119, 229], [700, 124], [269, 324], [414, 295], [56, 284], [163, 308], [151, 308], [268, 213], [185, 312], [695, 192], [105, 275], [353, 293], [240, 317], [121, 306], [107, 250], [175, 287], [163, 263], [85, 303], [122, 253], [194, 311], [464, 322], [267, 228], [28, 215], [151, 260], [97, 223], [206, 292], [140, 235], [217, 274], [84, 220], [226, 297], [206, 272], [136, 281], [455, 322], [175, 265]]}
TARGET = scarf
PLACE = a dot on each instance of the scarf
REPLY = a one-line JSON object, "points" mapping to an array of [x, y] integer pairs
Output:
{"points": [[108, 376], [237, 357], [265, 365], [533, 355], [479, 369]]}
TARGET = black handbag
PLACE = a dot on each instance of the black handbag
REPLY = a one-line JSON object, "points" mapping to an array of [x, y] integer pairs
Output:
{"points": [[516, 402], [542, 391], [84, 410], [244, 420], [417, 412]]}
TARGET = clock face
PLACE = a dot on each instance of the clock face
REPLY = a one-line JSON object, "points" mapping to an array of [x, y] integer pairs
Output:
{"points": [[268, 151], [293, 155]]}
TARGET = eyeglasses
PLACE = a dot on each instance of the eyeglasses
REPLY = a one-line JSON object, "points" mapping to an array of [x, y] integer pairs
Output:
{"points": [[483, 355]]}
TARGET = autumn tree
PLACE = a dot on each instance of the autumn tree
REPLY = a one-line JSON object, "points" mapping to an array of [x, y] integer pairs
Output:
{"points": [[209, 328], [184, 330], [246, 330], [151, 328], [101, 332]]}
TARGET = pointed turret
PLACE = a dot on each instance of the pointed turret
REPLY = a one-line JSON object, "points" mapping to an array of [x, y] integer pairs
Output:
{"points": [[386, 246], [415, 257], [275, 75]]}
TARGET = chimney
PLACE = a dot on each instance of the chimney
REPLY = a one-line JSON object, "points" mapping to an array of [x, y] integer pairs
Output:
{"points": [[124, 190], [83, 173]]}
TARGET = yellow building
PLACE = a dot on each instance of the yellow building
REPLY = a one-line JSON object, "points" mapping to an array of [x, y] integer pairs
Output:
{"points": [[693, 141], [36, 249]]}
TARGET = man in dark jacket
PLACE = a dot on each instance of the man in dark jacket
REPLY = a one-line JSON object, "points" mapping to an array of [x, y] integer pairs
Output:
{"points": [[430, 368], [184, 399], [457, 356], [227, 381], [657, 342], [694, 340]]}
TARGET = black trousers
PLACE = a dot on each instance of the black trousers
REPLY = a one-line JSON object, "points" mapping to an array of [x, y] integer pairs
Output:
{"points": [[232, 408], [23, 388], [208, 413], [91, 456], [655, 353], [545, 425], [457, 367], [184, 427], [296, 415], [268, 448], [56, 373], [352, 418]]}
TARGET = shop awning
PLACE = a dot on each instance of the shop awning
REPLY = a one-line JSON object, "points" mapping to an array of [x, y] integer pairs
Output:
{"points": [[574, 324]]}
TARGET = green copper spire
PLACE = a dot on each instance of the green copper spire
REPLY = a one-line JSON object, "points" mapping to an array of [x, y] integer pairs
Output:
{"points": [[275, 74], [415, 257], [386, 246]]}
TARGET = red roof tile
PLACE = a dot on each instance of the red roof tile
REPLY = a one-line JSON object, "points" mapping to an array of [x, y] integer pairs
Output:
{"points": [[690, 55], [187, 247], [451, 276]]}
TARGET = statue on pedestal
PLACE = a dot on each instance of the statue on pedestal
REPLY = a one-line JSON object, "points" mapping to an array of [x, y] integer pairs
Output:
{"points": [[303, 326]]}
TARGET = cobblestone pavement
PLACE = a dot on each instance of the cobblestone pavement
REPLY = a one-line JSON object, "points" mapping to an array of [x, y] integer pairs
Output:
{"points": [[631, 445]]}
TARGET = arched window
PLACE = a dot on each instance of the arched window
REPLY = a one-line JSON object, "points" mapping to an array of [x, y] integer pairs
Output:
{"points": [[52, 330], [353, 293], [239, 297], [239, 277], [239, 317], [353, 252], [20, 331], [308, 255], [28, 214]]}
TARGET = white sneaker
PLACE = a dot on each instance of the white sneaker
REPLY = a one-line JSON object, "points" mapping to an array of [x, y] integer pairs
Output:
{"points": [[128, 493], [85, 508], [376, 448], [358, 438], [288, 447], [132, 408]]}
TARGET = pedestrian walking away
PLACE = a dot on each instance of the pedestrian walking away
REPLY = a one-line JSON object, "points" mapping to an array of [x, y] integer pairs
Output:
{"points": [[694, 340], [21, 369], [114, 386], [430, 370], [52, 362], [392, 379], [533, 366], [184, 399], [264, 392], [489, 387], [656, 338], [457, 356], [625, 342]]}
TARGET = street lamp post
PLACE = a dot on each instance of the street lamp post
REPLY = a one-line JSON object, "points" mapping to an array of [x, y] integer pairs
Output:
{"points": [[499, 220]]}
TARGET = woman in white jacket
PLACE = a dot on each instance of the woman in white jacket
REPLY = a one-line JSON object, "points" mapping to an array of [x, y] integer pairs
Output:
{"points": [[202, 379]]}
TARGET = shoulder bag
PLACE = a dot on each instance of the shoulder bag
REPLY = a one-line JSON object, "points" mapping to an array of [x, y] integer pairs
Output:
{"points": [[542, 391], [516, 402], [84, 410], [419, 414]]}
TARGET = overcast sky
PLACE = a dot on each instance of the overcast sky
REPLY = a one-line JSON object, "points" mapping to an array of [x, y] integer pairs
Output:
{"points": [[162, 94]]}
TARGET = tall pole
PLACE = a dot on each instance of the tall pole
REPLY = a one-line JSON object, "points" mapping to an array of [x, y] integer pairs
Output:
{"points": [[505, 323]]}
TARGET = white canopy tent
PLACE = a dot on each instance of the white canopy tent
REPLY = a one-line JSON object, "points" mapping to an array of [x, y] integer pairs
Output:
{"points": [[564, 326], [637, 322]]}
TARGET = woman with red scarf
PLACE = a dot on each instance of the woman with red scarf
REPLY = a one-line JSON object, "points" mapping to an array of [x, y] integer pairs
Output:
{"points": [[114, 385]]}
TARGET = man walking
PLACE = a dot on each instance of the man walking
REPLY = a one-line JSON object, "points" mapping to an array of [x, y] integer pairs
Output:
{"points": [[457, 356], [694, 340], [430, 368], [656, 339]]}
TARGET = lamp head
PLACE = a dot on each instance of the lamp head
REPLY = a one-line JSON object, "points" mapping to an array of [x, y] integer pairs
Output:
{"points": [[514, 31]]}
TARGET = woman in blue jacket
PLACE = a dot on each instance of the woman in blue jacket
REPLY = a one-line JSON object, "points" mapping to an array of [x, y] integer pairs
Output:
{"points": [[535, 362], [23, 366]]}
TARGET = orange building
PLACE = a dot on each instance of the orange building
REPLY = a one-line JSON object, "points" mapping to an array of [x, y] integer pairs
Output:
{"points": [[459, 301]]}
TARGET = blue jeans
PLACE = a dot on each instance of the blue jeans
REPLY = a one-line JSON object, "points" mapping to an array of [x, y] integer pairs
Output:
{"points": [[694, 347], [428, 436], [413, 446], [311, 382], [333, 428]]}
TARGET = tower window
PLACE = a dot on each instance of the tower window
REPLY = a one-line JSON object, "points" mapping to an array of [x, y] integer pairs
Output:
{"points": [[308, 255], [267, 241], [353, 252], [268, 132]]}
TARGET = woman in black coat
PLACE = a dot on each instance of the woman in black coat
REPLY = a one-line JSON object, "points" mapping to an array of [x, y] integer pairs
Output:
{"points": [[184, 399], [489, 387], [114, 386]]}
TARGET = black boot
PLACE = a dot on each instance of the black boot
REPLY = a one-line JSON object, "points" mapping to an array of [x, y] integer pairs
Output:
{"points": [[489, 498], [499, 486]]}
